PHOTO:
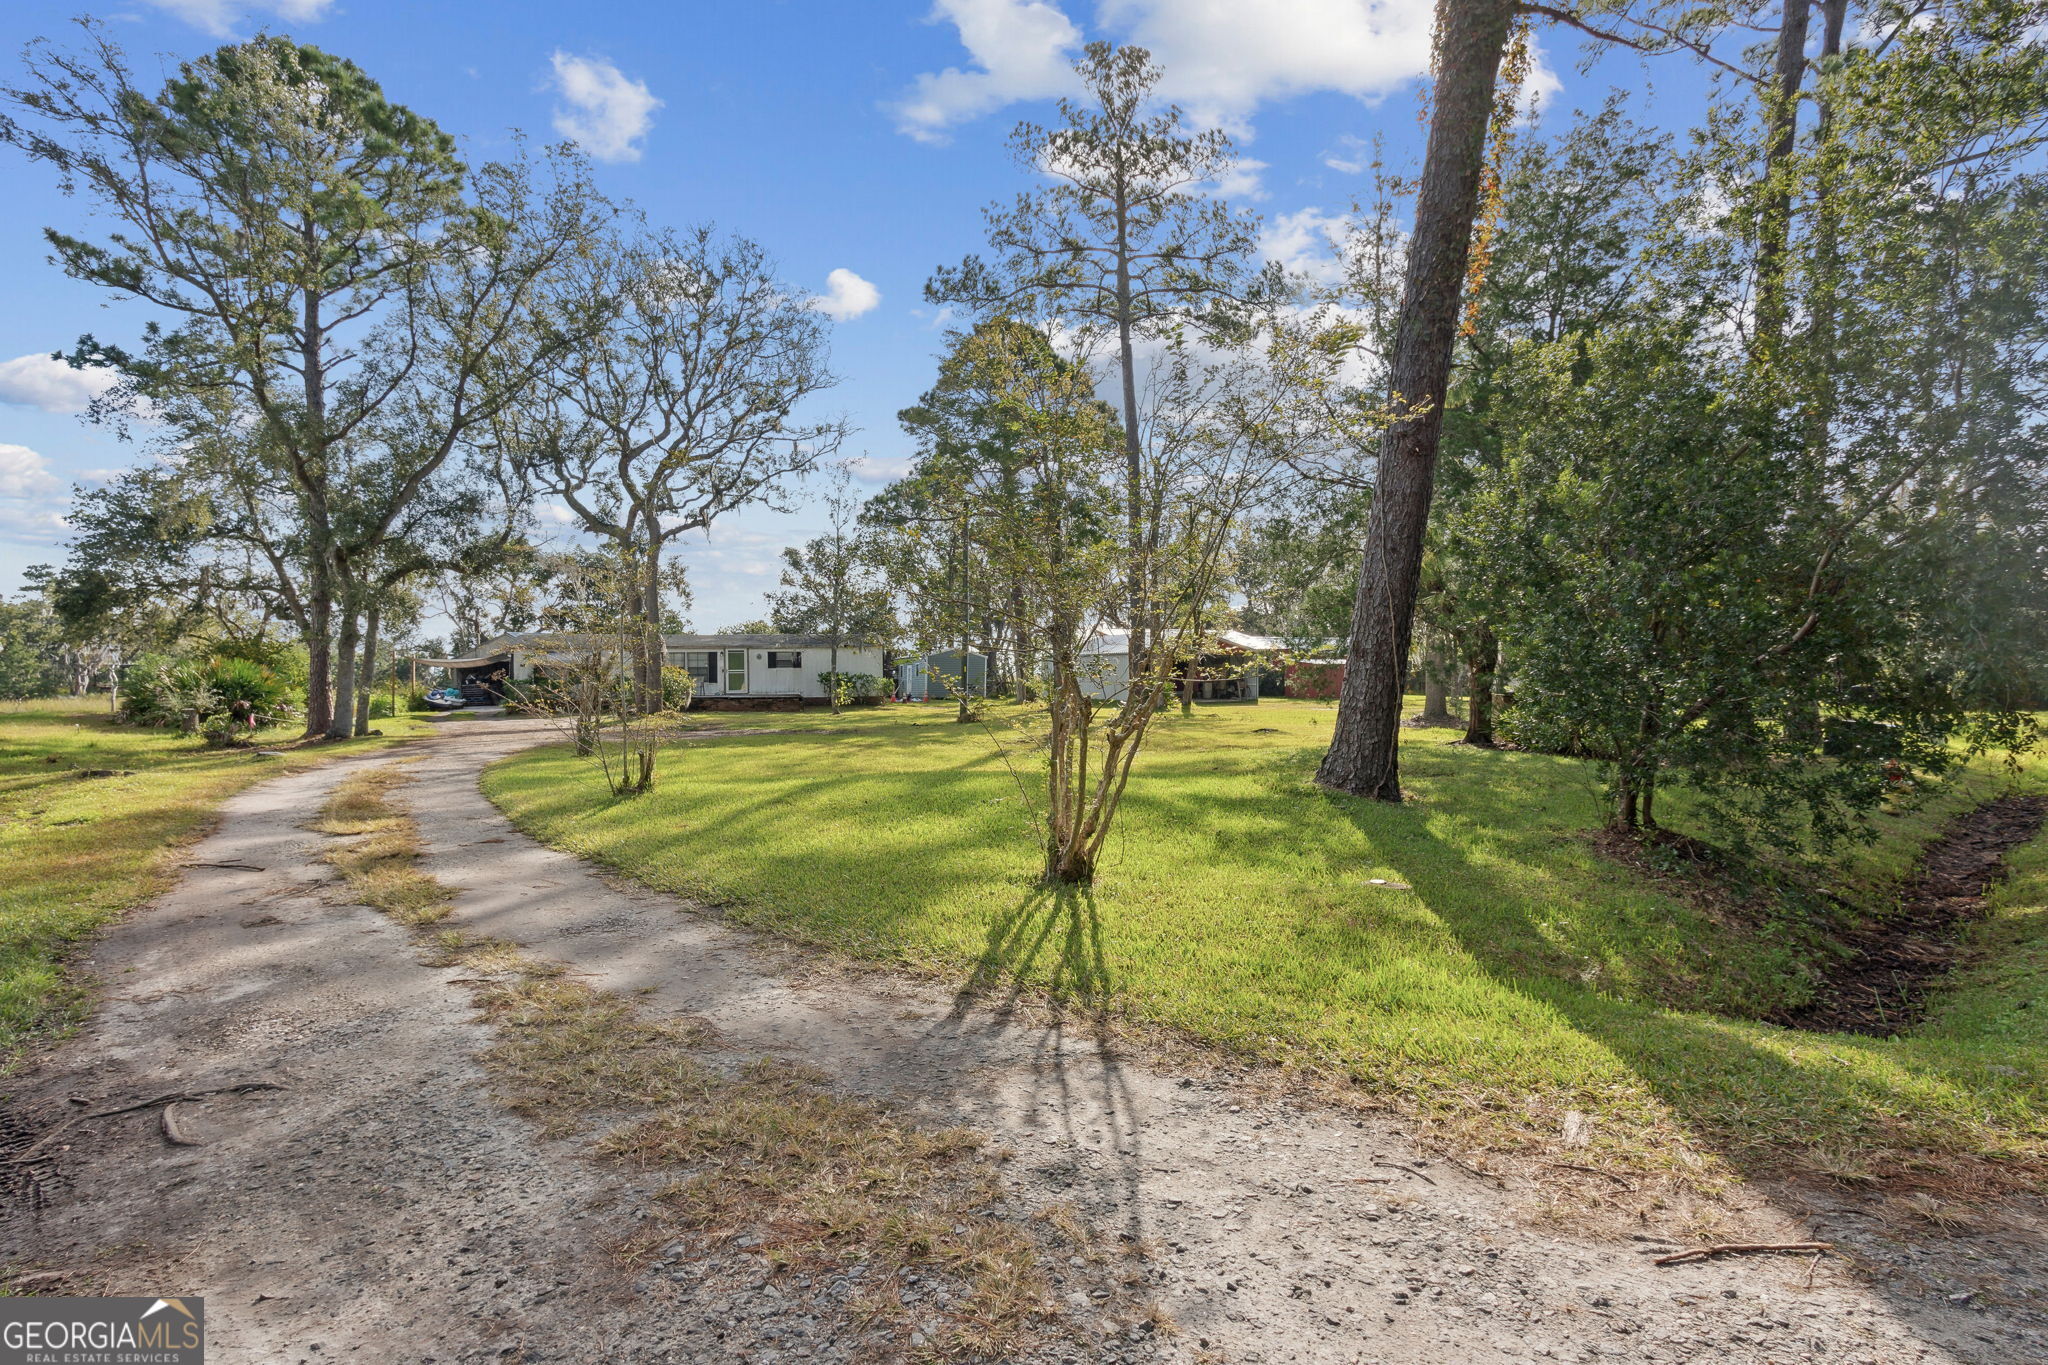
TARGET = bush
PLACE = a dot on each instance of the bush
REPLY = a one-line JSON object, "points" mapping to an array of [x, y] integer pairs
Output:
{"points": [[678, 689], [260, 685], [523, 698], [851, 686], [286, 658], [162, 688]]}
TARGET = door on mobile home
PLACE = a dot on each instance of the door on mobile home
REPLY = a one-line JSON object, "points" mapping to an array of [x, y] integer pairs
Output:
{"points": [[735, 672]]}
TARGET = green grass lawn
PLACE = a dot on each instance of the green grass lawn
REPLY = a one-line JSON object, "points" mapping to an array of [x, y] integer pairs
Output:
{"points": [[1512, 975], [79, 851]]}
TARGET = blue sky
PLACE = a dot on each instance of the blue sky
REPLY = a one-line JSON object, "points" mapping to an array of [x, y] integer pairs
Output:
{"points": [[857, 138]]}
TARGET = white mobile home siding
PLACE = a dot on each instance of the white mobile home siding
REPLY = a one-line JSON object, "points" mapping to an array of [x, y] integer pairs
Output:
{"points": [[770, 670]]}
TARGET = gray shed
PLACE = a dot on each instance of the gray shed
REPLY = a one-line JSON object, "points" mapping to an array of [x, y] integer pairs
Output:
{"points": [[933, 677]]}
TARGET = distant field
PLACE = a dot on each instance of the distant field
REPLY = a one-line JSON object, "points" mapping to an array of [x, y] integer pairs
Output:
{"points": [[1505, 974], [79, 851]]}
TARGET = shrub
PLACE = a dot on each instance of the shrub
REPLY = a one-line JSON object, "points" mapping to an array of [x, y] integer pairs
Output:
{"points": [[162, 688], [678, 689], [233, 679], [851, 686], [286, 658]]}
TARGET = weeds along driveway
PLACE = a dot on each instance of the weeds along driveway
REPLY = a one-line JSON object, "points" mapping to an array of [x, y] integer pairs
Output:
{"points": [[383, 1207], [378, 1206]]}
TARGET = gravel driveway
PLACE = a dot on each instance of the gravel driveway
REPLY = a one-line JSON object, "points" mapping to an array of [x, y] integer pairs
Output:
{"points": [[382, 1208]]}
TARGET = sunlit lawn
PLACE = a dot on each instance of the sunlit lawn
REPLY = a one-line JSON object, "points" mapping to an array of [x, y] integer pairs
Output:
{"points": [[80, 850], [1512, 974]]}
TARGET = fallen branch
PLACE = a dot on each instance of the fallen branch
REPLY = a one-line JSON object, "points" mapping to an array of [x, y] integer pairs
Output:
{"points": [[1473, 1171], [1737, 1249], [29, 1155], [238, 867], [243, 1089], [1397, 1166], [41, 1277], [175, 1134]]}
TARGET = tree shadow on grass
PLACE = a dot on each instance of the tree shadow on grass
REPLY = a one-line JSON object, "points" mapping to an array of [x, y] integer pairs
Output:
{"points": [[1052, 937], [1748, 1104]]}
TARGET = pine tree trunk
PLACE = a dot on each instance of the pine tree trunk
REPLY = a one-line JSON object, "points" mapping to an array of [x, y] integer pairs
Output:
{"points": [[652, 656], [320, 698], [1363, 758], [1436, 700], [965, 550], [1020, 644], [1135, 570], [1482, 660]]}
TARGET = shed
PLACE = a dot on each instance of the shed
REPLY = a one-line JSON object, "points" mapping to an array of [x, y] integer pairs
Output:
{"points": [[935, 676]]}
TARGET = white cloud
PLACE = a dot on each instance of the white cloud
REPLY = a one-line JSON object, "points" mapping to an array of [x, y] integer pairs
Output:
{"points": [[1309, 242], [606, 113], [218, 17], [1021, 49], [1352, 156], [1221, 59], [869, 469], [34, 525], [32, 499], [846, 296], [1242, 180], [38, 381], [556, 512], [1542, 84]]}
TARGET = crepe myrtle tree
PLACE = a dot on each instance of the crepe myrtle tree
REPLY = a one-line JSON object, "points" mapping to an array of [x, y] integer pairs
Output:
{"points": [[585, 678], [1051, 525], [1128, 240], [685, 408]]}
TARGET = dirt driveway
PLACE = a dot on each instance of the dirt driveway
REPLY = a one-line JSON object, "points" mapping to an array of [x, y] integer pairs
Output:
{"points": [[382, 1207]]}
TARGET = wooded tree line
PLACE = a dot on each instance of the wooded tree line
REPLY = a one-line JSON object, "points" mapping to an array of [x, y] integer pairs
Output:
{"points": [[1719, 449]]}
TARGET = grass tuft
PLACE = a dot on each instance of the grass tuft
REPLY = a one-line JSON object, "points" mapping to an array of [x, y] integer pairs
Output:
{"points": [[381, 864]]}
